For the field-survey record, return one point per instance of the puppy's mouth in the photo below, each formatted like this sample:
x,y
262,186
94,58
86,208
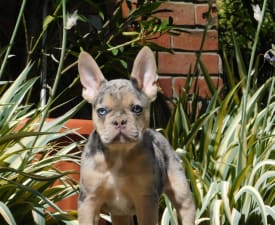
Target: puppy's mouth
x,y
121,137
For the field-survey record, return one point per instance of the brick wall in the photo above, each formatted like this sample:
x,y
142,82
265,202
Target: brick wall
x,y
174,68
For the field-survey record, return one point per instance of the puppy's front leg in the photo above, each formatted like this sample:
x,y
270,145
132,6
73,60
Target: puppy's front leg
x,y
88,212
178,191
146,209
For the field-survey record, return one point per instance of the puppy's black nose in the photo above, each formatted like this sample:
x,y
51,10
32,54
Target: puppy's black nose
x,y
119,124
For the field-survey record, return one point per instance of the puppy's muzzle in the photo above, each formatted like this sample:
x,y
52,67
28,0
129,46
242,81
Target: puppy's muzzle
x,y
119,124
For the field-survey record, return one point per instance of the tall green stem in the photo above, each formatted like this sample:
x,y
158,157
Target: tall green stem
x,y
243,142
12,37
63,49
206,28
59,69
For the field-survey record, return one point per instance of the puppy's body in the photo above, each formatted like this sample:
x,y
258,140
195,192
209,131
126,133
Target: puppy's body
x,y
126,166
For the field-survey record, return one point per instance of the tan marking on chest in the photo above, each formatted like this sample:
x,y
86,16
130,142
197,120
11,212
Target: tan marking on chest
x,y
118,181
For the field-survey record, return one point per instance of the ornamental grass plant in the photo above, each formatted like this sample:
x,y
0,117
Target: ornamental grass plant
x,y
31,147
29,154
228,148
231,185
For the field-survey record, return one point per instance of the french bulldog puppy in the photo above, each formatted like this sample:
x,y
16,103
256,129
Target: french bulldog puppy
x,y
125,166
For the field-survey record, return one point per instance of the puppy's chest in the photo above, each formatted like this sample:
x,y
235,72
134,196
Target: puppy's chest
x,y
121,173
118,179
116,197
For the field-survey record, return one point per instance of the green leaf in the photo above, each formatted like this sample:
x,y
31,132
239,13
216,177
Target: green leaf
x,y
124,64
236,216
48,19
165,218
257,198
262,181
38,216
208,79
258,166
270,211
240,180
213,190
34,192
190,174
240,62
9,93
230,75
197,126
223,112
6,214
172,217
215,212
225,197
17,136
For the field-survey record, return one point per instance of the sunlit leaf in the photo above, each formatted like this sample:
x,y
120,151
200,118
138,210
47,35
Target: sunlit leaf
x,y
256,197
6,214
48,19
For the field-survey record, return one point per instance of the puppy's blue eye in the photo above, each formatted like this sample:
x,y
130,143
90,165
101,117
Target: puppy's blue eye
x,y
101,112
137,109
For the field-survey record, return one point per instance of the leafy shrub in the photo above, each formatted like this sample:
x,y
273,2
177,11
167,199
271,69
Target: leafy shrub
x,y
228,149
231,185
237,18
28,159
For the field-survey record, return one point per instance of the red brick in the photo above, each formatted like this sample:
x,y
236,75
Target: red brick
x,y
192,40
182,13
165,84
212,62
201,14
163,40
180,62
202,87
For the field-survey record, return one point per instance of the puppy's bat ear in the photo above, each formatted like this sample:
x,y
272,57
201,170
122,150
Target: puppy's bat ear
x,y
144,74
91,76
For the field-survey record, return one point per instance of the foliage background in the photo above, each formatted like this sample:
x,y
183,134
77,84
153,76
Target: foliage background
x,y
227,149
237,24
237,18
100,29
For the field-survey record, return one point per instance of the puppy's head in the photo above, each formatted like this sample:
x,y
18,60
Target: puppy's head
x,y
120,107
